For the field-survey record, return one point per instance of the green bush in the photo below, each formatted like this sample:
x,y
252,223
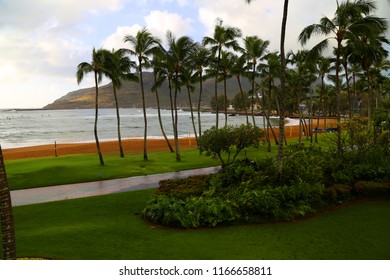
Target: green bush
x,y
229,140
191,212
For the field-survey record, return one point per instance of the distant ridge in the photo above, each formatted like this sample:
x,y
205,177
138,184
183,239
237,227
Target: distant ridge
x,y
129,95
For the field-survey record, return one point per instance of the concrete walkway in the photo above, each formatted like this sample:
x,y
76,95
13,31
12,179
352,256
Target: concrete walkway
x,y
71,191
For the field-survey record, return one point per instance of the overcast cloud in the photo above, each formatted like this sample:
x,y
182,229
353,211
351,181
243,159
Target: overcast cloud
x,y
43,41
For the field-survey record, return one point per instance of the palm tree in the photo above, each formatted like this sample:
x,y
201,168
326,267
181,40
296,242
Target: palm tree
x,y
323,68
178,55
270,71
97,66
6,215
143,46
119,67
283,86
254,50
200,59
351,19
238,70
369,51
188,80
225,66
160,76
224,37
303,68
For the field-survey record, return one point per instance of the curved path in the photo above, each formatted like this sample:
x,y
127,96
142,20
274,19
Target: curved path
x,y
71,191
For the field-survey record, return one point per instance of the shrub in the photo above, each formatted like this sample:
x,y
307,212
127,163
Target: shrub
x,y
230,140
191,212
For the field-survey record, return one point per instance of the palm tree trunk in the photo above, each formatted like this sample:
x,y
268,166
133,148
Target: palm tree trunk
x,y
349,92
6,215
338,105
199,106
192,114
96,121
253,95
216,88
225,100
122,154
144,112
243,99
370,96
160,120
176,133
283,89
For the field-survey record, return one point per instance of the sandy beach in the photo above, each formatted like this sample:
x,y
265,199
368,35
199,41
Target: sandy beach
x,y
130,146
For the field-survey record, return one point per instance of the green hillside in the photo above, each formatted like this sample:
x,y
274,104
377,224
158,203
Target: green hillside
x,y
130,95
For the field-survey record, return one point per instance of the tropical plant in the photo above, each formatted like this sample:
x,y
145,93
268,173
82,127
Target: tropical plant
x,y
97,66
351,20
200,58
230,140
6,215
225,66
119,65
143,47
282,84
160,76
178,55
223,37
254,51
238,70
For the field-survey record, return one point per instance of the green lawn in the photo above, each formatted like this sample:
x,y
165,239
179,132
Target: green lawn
x,y
110,227
40,172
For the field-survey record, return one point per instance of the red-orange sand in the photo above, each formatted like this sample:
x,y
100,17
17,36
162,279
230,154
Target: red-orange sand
x,y
129,145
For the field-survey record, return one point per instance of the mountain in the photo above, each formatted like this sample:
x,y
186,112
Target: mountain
x,y
129,96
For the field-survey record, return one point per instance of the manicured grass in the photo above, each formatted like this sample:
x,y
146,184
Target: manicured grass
x,y
40,172
110,227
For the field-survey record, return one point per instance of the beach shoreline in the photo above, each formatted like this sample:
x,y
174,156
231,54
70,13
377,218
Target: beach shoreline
x,y
130,145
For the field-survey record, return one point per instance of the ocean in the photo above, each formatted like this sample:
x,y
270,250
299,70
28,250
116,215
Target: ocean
x,y
21,128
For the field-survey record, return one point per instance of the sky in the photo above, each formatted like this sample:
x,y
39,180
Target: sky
x,y
43,41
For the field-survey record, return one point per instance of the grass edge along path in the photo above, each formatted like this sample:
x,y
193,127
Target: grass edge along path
x,y
50,171
111,227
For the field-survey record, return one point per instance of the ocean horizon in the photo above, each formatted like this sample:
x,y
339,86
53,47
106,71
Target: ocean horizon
x,y
31,127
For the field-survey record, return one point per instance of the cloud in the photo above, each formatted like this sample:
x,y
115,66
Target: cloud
x,y
159,22
263,18
115,40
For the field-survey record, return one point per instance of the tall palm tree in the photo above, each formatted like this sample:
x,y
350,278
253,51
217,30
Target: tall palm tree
x,y
351,19
188,80
143,46
97,66
119,67
6,215
254,50
160,76
303,68
238,70
282,84
226,64
178,55
223,37
201,59
323,68
369,51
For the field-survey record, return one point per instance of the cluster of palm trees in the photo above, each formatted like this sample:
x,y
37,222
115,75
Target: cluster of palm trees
x,y
279,83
